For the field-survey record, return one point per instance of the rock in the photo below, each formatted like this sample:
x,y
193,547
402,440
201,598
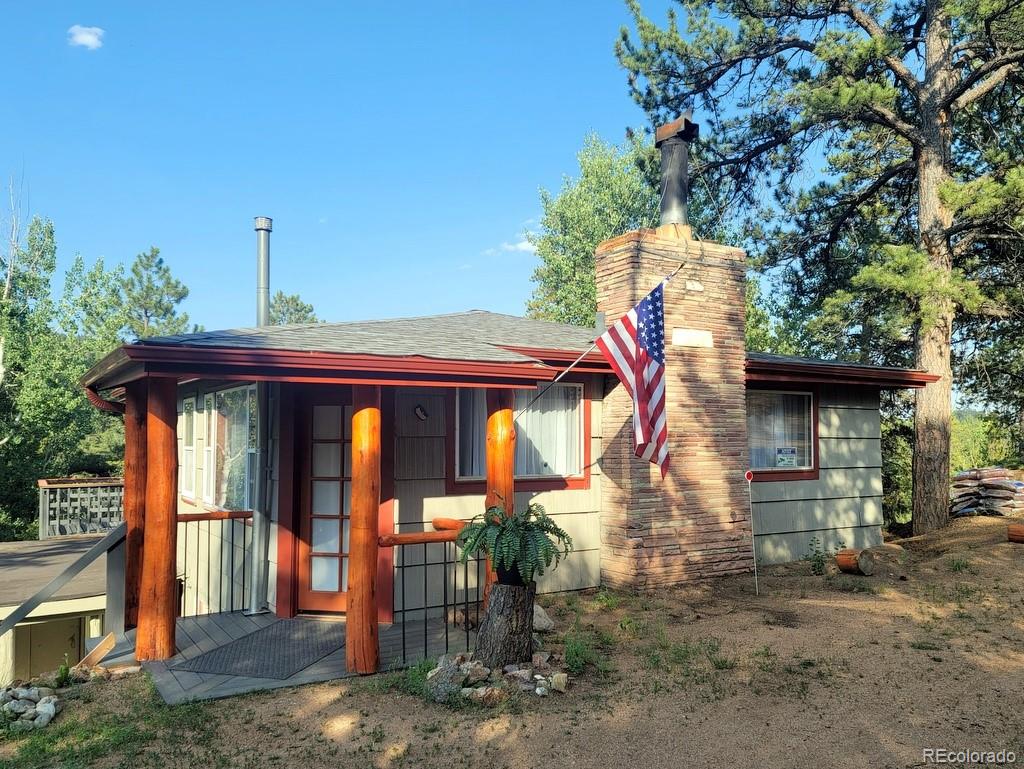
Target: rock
x,y
21,726
541,691
43,719
542,623
27,693
560,682
488,696
526,686
522,674
474,672
45,691
5,697
540,659
445,681
122,672
511,668
17,707
29,715
47,706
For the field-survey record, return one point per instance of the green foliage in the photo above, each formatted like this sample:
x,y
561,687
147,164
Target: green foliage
x,y
63,674
152,295
818,555
979,440
528,541
286,309
897,466
612,195
47,426
582,652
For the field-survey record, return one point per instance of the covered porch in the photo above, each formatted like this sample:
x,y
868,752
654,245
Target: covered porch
x,y
169,553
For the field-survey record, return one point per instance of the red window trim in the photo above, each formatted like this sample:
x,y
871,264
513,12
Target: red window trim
x,y
454,486
812,474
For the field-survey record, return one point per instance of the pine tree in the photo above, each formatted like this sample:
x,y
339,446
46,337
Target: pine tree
x,y
899,97
289,308
152,295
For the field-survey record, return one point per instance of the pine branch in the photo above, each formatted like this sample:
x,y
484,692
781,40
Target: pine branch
x,y
869,24
967,92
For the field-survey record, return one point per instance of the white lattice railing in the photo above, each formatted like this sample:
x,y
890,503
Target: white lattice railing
x,y
79,505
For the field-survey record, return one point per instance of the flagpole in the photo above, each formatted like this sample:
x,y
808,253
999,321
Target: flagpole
x,y
554,381
583,355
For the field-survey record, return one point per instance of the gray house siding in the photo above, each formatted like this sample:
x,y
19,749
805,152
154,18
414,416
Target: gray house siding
x,y
844,505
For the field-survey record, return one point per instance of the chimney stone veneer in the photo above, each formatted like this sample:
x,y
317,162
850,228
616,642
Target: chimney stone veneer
x,y
694,523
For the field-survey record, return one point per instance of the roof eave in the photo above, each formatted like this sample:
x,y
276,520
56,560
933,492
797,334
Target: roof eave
x,y
134,361
819,373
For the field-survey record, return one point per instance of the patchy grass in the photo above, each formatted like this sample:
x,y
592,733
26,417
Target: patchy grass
x,y
127,733
411,680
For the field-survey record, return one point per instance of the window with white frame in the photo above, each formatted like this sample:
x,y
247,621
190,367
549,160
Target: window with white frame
x,y
187,480
780,430
549,434
234,441
209,423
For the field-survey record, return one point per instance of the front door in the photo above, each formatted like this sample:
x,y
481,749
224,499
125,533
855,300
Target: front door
x,y
324,441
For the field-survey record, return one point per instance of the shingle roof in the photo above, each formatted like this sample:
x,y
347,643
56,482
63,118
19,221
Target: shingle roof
x,y
476,335
766,357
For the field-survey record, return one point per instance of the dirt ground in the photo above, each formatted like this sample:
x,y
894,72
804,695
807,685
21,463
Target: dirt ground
x,y
834,671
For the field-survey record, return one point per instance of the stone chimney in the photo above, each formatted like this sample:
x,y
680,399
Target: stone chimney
x,y
694,523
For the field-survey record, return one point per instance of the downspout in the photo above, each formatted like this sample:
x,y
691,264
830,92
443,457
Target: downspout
x,y
259,564
98,401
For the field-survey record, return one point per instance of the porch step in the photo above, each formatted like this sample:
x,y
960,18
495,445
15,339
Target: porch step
x,y
122,653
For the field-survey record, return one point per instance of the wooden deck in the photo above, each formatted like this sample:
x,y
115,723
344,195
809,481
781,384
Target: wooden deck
x,y
197,635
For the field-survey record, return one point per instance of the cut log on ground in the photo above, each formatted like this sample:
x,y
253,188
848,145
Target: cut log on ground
x,y
506,630
851,561
1015,532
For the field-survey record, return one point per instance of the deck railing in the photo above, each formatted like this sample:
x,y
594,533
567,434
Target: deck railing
x,y
79,505
214,562
437,598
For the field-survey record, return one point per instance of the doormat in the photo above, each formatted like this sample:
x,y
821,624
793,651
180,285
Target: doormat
x,y
277,651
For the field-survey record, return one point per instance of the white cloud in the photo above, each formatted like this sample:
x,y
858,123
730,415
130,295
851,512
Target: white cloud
x,y
86,37
523,245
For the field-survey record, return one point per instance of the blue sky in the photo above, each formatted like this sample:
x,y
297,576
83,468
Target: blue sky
x,y
398,147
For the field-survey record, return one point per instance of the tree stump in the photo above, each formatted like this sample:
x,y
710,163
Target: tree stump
x,y
853,561
1015,532
506,630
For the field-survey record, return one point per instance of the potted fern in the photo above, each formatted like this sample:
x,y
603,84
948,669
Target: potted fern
x,y
521,546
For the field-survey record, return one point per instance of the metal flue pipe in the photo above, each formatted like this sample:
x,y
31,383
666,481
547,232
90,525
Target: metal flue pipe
x,y
673,139
264,225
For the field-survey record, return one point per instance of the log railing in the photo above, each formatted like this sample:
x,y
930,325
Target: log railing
x,y
437,598
79,505
214,560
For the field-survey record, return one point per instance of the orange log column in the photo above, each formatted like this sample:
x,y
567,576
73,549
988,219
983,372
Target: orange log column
x,y
134,494
362,654
154,639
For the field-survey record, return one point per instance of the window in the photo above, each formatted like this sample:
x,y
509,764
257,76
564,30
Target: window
x,y
210,419
780,430
549,435
234,441
187,482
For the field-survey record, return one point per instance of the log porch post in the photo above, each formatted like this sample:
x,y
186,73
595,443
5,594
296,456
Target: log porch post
x,y
134,494
154,639
362,654
500,449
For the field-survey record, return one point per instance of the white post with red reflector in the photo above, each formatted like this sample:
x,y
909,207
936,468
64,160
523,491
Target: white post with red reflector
x,y
749,475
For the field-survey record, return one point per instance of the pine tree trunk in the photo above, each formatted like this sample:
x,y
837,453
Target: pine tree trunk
x,y
933,412
506,631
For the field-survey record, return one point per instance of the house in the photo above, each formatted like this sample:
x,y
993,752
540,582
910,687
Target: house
x,y
307,470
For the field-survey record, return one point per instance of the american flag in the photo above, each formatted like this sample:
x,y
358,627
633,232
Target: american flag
x,y
635,348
